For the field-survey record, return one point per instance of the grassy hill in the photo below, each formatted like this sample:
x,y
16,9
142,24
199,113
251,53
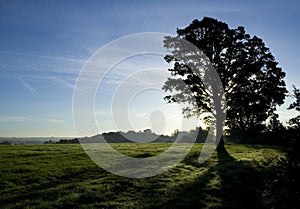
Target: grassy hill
x,y
62,176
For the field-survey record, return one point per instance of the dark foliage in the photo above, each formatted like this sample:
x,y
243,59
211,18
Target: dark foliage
x,y
252,80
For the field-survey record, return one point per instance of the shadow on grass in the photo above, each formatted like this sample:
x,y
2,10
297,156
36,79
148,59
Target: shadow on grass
x,y
227,184
220,182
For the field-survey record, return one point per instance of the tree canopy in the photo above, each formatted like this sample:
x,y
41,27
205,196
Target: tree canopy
x,y
295,122
252,80
296,104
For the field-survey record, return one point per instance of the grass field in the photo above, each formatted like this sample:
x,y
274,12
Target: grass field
x,y
63,176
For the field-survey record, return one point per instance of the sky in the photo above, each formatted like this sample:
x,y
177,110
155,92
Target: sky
x,y
45,44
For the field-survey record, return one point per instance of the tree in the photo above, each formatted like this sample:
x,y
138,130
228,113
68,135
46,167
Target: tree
x,y
295,122
252,81
289,175
274,124
296,104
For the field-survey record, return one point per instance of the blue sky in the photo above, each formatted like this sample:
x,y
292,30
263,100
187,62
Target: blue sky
x,y
44,45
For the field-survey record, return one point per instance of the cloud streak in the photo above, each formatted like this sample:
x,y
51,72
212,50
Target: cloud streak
x,y
26,85
10,118
63,82
53,120
24,119
68,59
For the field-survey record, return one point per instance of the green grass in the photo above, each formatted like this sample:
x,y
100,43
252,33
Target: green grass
x,y
63,176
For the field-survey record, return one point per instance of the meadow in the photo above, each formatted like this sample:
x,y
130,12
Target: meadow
x,y
63,176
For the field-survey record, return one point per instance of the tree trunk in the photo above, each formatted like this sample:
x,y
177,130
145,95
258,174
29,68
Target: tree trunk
x,y
221,146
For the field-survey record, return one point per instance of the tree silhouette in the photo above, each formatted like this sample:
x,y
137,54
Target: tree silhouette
x,y
252,81
295,122
296,95
274,124
289,176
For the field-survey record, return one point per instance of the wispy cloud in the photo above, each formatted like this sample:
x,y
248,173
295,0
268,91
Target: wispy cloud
x,y
63,82
26,85
21,119
14,119
53,120
58,66
69,59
